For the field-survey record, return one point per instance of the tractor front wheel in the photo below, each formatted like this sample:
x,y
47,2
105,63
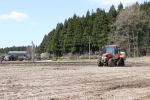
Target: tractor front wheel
x,y
100,64
111,62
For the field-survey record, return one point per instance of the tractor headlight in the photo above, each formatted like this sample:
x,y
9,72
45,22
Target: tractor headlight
x,y
104,57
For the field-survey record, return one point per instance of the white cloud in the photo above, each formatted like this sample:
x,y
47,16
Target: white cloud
x,y
33,23
15,16
110,2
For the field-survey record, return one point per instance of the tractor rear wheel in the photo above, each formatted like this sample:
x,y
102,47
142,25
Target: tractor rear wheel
x,y
111,62
100,64
120,62
123,64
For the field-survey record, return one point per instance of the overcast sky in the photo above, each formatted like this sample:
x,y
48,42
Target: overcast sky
x,y
23,21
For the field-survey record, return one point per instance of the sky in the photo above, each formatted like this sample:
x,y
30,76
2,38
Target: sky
x,y
24,21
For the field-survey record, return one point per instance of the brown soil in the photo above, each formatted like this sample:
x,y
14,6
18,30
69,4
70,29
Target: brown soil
x,y
74,82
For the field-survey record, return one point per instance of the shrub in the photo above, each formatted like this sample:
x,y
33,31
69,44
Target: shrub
x,y
20,59
44,55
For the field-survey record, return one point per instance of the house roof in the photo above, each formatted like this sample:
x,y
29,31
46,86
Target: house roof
x,y
17,52
112,46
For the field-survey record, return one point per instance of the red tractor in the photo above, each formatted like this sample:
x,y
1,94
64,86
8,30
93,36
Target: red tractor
x,y
111,56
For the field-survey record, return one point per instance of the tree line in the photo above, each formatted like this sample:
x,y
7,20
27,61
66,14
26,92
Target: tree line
x,y
73,35
29,49
127,26
14,48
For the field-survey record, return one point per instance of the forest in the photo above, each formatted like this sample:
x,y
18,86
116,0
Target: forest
x,y
127,26
14,48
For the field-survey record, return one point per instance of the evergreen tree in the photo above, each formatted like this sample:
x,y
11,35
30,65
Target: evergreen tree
x,y
43,46
120,7
56,41
112,14
100,30
50,42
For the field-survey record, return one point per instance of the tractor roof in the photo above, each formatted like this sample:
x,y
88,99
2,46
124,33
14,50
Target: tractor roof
x,y
112,46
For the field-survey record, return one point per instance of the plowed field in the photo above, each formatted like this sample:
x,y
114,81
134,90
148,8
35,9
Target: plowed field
x,y
76,82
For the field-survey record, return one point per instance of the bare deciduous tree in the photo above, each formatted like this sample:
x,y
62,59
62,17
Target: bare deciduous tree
x,y
127,29
30,50
45,55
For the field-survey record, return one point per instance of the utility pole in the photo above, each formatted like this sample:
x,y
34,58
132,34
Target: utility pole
x,y
89,47
32,50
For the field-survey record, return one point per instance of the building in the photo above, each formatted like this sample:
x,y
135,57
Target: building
x,y
18,53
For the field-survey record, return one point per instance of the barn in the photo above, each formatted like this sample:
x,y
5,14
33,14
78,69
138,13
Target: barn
x,y
18,53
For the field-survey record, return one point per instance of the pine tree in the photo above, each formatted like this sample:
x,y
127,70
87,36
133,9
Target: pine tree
x,y
100,30
112,14
120,7
43,46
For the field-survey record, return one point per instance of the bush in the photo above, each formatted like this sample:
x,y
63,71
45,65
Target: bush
x,y
87,57
94,56
13,58
70,56
44,55
84,57
20,59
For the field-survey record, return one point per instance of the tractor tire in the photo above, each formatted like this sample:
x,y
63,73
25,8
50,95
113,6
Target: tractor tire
x,y
120,62
111,62
123,64
100,64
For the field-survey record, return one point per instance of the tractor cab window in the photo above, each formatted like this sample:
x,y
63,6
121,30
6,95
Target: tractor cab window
x,y
117,50
110,50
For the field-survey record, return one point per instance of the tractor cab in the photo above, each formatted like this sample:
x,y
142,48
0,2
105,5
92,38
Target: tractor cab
x,y
110,51
113,49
